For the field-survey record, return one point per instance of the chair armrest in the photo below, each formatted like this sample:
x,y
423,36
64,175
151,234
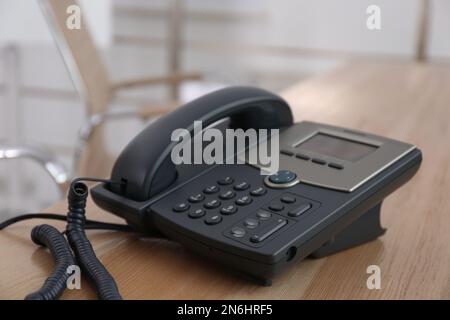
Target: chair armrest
x,y
45,159
160,80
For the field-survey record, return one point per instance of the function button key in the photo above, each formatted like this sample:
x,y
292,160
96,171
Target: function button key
x,y
336,166
288,199
258,192
196,198
241,186
251,223
181,207
225,181
276,207
238,232
299,210
243,201
211,189
214,203
268,231
263,215
197,213
287,152
318,161
227,195
228,210
302,156
213,219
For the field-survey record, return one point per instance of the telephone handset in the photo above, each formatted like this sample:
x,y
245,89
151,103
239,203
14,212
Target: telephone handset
x,y
145,165
326,197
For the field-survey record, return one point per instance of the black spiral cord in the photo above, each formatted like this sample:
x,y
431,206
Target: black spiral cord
x,y
77,241
48,236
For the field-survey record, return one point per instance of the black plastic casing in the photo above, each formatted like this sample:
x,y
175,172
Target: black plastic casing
x,y
333,213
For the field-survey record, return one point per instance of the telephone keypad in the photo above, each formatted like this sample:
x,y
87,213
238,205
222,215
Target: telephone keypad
x,y
254,226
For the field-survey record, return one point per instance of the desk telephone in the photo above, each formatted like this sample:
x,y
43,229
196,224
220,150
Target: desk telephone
x,y
326,196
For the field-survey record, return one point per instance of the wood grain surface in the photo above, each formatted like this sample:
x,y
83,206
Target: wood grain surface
x,y
409,102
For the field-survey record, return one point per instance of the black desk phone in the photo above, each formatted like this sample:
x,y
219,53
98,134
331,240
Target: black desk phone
x,y
326,197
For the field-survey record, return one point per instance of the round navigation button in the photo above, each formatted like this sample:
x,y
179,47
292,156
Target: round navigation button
x,y
282,176
282,179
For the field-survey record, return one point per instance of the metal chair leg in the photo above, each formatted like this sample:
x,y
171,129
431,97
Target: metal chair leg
x,y
52,166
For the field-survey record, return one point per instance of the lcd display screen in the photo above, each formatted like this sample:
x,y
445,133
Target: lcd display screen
x,y
336,147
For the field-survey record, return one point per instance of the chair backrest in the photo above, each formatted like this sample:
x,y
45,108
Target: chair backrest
x,y
81,57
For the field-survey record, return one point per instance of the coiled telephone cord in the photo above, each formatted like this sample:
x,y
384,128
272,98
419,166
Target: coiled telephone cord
x,y
77,242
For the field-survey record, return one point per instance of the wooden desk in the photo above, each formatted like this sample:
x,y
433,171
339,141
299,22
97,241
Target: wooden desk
x,y
402,101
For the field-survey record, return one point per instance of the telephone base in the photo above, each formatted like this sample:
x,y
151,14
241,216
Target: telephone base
x,y
366,228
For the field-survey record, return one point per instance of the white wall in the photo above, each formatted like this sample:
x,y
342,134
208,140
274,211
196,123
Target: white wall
x,y
21,21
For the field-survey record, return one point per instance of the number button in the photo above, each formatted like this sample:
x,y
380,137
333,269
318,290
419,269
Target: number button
x,y
213,220
214,203
225,181
211,189
243,201
196,198
258,192
228,210
241,186
197,213
227,195
181,207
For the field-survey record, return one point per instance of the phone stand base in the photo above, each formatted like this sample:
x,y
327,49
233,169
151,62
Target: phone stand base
x,y
366,228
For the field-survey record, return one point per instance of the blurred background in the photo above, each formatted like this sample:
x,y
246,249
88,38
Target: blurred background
x,y
70,101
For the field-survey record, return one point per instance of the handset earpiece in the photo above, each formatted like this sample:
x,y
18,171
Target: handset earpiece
x,y
145,166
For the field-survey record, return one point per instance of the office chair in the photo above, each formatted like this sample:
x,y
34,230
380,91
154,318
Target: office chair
x,y
43,158
91,80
